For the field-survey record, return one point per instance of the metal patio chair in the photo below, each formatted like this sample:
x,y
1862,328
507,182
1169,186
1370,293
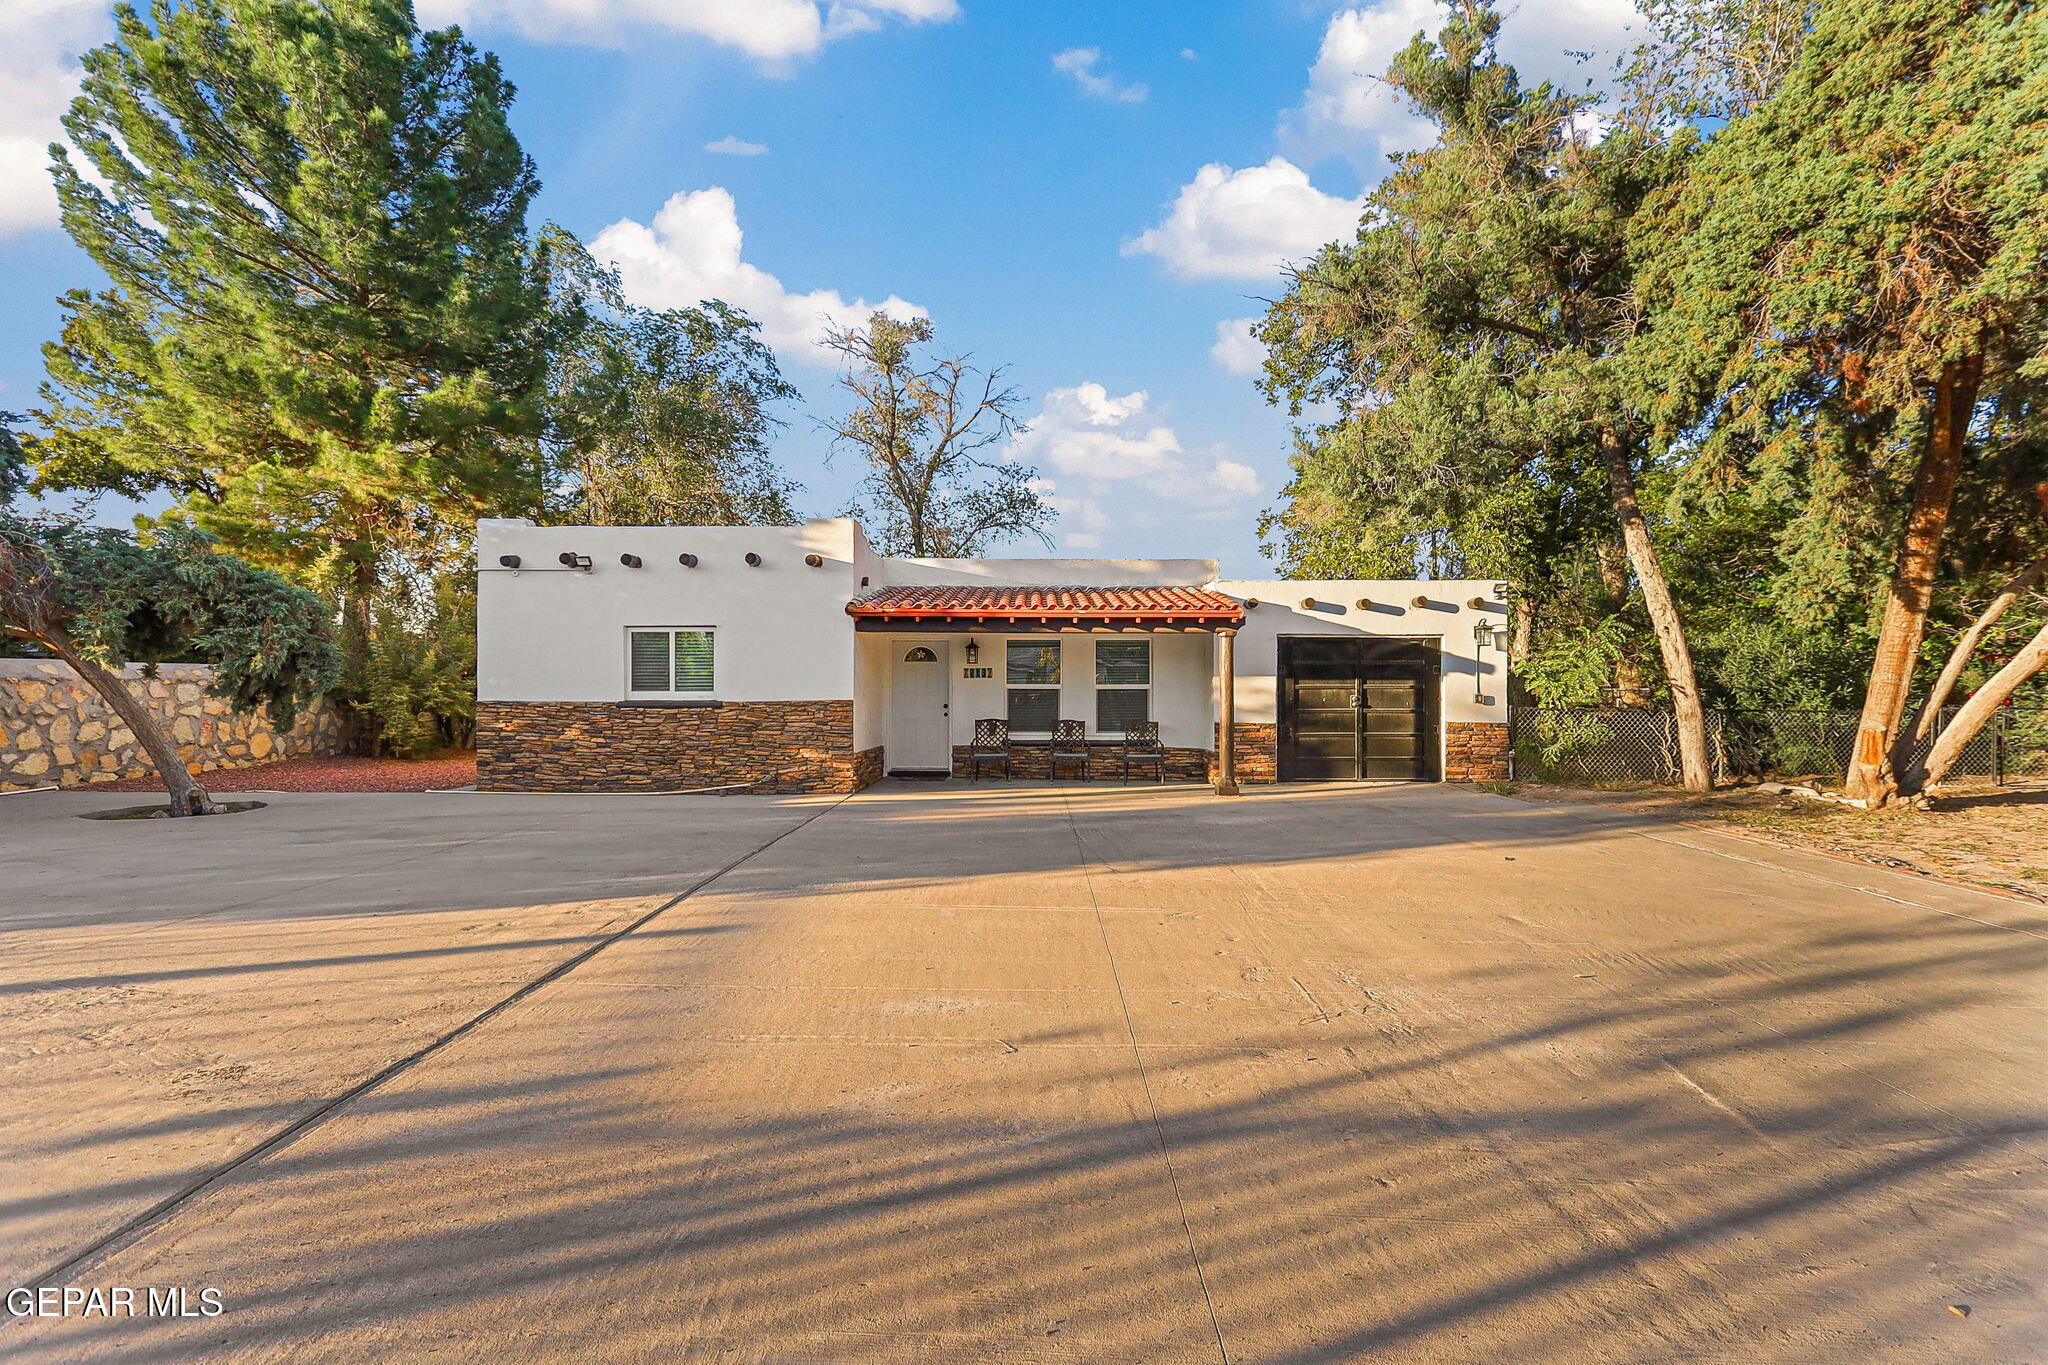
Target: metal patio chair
x,y
1069,741
1142,746
992,744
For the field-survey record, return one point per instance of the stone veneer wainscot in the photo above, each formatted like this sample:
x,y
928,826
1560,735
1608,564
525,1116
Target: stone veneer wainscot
x,y
784,746
1475,751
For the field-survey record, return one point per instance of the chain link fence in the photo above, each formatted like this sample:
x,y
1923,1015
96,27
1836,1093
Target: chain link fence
x,y
1640,744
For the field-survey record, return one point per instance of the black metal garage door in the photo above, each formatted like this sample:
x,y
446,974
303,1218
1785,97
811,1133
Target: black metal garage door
x,y
1353,708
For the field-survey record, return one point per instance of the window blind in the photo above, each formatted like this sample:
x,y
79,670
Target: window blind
x,y
649,661
1033,709
693,661
1114,706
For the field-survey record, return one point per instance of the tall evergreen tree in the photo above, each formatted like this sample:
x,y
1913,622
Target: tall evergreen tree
x,y
1852,292
1492,276
323,331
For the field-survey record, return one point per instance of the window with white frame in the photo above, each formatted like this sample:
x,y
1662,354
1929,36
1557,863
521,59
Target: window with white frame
x,y
1123,684
669,662
1031,670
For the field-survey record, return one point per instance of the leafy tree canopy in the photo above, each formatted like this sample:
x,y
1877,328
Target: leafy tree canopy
x,y
659,415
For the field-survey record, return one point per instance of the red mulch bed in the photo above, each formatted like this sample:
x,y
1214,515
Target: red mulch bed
x,y
326,775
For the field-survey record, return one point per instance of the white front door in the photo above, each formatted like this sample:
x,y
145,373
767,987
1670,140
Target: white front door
x,y
918,737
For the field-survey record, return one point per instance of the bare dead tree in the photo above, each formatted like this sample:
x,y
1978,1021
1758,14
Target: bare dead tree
x,y
929,429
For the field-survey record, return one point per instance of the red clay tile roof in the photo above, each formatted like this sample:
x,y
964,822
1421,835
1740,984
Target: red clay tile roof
x,y
1166,605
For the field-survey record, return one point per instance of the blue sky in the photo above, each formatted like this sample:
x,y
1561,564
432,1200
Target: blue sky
x,y
1091,195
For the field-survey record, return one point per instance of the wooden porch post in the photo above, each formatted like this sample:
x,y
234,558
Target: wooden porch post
x,y
1226,757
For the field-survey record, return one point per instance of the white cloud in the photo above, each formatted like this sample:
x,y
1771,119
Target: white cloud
x,y
770,31
733,146
691,252
1081,64
1188,54
1109,461
1349,110
1246,224
1235,349
39,45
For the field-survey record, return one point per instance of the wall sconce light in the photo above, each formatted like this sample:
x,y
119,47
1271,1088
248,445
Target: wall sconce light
x,y
570,560
630,561
973,651
815,561
687,561
1483,634
753,559
509,561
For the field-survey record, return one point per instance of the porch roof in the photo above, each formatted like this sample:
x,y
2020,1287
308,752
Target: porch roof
x,y
1074,607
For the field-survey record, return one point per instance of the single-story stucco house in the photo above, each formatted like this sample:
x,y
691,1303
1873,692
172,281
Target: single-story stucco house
x,y
659,658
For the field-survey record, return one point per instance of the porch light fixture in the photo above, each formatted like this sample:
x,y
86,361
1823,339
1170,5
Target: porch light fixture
x,y
630,561
509,561
815,561
687,561
1483,634
973,652
753,559
570,560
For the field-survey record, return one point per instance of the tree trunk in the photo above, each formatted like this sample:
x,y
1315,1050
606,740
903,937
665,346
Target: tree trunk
x,y
187,797
1975,713
1959,658
1629,688
1696,771
1871,775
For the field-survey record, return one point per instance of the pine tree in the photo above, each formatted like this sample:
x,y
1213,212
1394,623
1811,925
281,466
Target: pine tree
x,y
1851,292
1471,333
323,335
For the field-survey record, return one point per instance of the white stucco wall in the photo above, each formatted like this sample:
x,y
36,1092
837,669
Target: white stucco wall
x,y
1448,619
545,633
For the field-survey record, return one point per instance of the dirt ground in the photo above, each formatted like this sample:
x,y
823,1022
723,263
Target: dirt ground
x,y
1993,837
327,775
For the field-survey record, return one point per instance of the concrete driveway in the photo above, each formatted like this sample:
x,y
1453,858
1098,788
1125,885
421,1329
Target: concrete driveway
x,y
957,1074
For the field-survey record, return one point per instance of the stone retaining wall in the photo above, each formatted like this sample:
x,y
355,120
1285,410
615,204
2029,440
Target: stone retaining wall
x,y
56,732
786,746
1475,751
